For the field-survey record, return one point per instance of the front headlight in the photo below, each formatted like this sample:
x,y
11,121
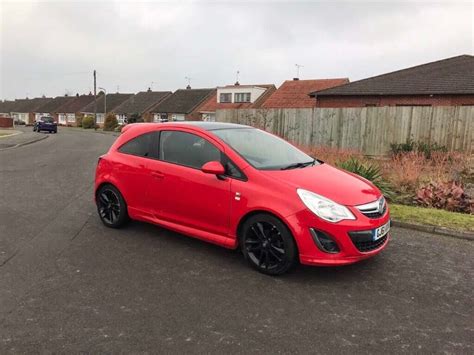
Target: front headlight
x,y
323,207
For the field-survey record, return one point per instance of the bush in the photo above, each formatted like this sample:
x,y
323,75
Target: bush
x,y
88,122
449,196
397,148
79,119
369,171
135,118
421,147
110,122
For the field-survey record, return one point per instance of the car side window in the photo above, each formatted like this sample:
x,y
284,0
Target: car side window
x,y
231,169
187,149
144,145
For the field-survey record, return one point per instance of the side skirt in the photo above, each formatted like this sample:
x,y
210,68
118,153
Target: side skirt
x,y
221,240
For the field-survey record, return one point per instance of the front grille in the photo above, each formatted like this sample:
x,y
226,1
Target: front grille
x,y
377,214
364,245
374,209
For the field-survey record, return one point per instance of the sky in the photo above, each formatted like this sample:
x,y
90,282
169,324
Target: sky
x,y
52,47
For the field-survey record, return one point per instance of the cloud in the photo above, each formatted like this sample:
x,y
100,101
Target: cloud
x,y
50,47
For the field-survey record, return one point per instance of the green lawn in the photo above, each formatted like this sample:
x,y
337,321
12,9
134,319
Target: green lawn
x,y
430,216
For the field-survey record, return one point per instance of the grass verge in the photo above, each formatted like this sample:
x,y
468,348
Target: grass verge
x,y
433,217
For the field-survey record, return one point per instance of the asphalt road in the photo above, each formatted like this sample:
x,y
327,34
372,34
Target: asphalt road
x,y
68,284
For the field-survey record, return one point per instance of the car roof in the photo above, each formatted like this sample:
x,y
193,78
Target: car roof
x,y
196,125
207,126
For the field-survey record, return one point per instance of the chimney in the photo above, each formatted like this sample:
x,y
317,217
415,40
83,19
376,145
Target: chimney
x,y
236,83
188,87
149,90
77,94
295,79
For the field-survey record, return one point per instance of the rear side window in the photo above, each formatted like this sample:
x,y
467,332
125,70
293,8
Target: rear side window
x,y
187,149
143,146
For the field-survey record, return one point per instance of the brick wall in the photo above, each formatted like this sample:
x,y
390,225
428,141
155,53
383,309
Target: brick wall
x,y
6,122
412,100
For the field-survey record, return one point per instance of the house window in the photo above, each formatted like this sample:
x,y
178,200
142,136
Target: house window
x,y
224,98
242,97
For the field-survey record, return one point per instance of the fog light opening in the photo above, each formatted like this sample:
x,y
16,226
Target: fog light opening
x,y
324,242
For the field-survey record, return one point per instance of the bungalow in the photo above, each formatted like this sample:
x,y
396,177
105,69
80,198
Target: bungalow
x,y
105,104
447,82
182,105
68,112
140,104
295,93
234,97
6,108
23,110
51,107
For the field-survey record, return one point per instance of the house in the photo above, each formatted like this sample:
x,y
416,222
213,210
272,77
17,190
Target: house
x,y
140,104
182,105
295,93
6,108
51,107
447,82
70,111
23,109
105,104
234,97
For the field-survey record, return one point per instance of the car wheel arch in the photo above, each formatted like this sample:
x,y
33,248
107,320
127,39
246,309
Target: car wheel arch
x,y
267,212
105,183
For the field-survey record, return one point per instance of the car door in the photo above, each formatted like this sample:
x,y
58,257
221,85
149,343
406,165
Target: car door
x,y
180,192
131,168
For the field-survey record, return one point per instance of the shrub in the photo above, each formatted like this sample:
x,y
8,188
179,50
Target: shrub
x,y
408,146
135,118
449,196
110,122
421,147
88,122
79,119
369,171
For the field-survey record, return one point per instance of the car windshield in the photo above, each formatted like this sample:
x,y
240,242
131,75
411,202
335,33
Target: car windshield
x,y
264,150
47,119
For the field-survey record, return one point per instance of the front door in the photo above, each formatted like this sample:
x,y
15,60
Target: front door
x,y
180,192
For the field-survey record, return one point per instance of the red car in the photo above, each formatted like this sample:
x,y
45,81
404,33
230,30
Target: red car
x,y
238,186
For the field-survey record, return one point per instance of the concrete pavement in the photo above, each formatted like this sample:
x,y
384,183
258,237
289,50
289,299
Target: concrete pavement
x,y
69,284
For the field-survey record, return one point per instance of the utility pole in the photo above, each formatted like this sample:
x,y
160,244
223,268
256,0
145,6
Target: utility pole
x,y
105,102
95,101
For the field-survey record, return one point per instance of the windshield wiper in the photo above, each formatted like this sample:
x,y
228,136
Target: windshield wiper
x,y
299,165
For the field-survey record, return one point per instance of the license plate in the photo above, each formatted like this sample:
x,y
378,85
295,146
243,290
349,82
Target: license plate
x,y
381,231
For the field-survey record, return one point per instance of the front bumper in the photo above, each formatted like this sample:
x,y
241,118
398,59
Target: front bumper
x,y
302,222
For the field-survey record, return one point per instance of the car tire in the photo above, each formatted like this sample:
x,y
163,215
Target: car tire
x,y
267,244
34,129
111,206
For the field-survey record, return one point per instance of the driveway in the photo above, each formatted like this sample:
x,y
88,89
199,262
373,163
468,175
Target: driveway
x,y
69,284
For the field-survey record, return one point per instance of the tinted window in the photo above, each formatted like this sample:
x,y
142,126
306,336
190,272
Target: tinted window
x,y
144,145
187,149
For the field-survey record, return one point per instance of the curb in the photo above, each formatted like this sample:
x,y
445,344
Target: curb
x,y
435,230
26,143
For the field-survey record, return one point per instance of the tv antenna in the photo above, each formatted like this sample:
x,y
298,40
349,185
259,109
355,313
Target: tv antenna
x,y
298,66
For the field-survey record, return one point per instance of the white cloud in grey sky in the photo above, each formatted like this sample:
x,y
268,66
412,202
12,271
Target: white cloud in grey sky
x,y
50,47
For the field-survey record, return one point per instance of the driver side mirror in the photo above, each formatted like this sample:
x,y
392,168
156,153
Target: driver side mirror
x,y
213,167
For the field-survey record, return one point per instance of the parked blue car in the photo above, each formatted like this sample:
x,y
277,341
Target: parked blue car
x,y
46,123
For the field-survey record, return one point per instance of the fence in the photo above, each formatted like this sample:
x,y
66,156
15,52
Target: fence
x,y
369,129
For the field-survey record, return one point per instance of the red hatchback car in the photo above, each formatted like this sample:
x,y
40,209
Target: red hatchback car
x,y
235,185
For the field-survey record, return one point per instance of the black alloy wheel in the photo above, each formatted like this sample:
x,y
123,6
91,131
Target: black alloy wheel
x,y
111,206
268,245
